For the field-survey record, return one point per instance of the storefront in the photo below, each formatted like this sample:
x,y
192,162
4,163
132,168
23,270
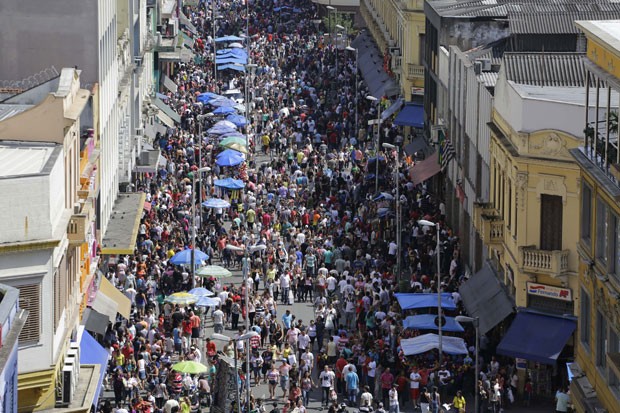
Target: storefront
x,y
540,343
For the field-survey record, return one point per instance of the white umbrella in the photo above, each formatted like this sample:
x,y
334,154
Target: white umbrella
x,y
236,44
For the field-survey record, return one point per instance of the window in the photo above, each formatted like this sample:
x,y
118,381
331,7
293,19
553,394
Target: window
x,y
551,209
584,319
602,227
601,340
30,299
614,347
586,213
614,263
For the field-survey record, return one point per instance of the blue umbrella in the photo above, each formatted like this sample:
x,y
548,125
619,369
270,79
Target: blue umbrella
x,y
224,110
201,292
208,302
232,66
221,130
232,135
235,52
185,257
207,96
230,158
228,39
238,120
219,102
216,203
229,183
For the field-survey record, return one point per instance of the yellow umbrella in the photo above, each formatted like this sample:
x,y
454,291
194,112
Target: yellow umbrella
x,y
236,147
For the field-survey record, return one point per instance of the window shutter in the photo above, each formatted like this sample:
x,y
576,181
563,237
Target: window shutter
x,y
30,299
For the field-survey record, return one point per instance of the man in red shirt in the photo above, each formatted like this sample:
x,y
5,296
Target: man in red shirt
x,y
266,220
340,365
387,378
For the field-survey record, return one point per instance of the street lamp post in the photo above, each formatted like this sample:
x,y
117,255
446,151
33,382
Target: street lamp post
x,y
248,82
330,10
339,28
378,123
476,322
352,49
193,260
215,19
247,336
398,217
439,312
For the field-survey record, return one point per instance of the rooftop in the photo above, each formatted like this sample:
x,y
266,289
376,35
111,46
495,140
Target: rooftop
x,y
573,95
545,69
606,31
527,12
24,158
8,111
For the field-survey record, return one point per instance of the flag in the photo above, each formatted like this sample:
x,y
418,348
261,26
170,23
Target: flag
x,y
446,150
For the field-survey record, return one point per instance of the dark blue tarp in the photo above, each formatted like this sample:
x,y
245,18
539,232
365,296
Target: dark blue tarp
x,y
408,301
91,352
537,337
427,322
411,115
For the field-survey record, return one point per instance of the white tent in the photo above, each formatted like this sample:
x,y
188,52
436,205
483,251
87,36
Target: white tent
x,y
427,342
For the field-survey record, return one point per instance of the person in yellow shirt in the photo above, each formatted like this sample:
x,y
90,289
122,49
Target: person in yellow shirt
x,y
459,402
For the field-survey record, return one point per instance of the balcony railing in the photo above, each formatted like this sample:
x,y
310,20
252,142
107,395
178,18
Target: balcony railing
x,y
492,231
553,263
415,71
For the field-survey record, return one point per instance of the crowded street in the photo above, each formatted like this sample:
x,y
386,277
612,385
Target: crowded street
x,y
281,230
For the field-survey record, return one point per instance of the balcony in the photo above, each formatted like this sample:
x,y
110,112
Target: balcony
x,y
492,231
535,261
79,224
415,71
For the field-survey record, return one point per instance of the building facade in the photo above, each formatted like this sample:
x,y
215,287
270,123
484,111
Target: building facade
x,y
44,242
398,28
596,382
12,320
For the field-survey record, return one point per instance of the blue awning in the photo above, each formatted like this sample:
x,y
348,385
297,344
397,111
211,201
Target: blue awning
x,y
408,301
427,322
91,352
537,337
411,115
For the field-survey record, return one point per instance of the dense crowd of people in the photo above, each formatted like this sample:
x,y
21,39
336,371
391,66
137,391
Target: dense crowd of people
x,y
309,226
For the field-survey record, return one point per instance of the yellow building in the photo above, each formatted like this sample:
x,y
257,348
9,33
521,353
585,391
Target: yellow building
x,y
528,225
398,26
596,383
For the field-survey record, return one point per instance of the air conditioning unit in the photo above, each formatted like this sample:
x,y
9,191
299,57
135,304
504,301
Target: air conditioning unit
x,y
435,133
485,64
68,384
395,51
138,60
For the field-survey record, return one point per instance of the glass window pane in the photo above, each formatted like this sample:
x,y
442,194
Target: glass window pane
x,y
601,230
584,319
586,212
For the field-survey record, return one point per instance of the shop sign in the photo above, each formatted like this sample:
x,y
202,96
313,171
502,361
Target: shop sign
x,y
521,364
549,291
